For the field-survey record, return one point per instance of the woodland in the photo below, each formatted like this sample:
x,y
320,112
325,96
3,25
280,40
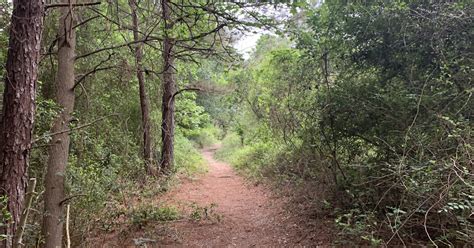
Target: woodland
x,y
346,123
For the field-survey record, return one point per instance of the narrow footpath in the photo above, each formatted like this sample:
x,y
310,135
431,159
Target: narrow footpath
x,y
244,214
240,214
222,209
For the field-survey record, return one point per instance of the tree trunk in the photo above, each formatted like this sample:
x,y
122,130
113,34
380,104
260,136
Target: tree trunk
x,y
144,104
53,218
19,106
169,88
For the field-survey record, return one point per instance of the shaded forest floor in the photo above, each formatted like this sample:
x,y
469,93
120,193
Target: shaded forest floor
x,y
224,210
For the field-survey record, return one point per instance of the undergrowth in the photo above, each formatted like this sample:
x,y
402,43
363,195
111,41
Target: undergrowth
x,y
148,213
249,158
205,136
188,159
206,212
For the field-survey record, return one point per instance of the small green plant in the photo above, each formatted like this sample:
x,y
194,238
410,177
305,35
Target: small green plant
x,y
358,223
5,214
204,212
145,214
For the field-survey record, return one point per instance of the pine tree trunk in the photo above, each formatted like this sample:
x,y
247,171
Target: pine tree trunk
x,y
169,88
19,106
144,103
53,219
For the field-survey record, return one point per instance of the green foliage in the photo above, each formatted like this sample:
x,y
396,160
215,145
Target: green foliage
x,y
189,115
372,100
230,144
376,99
399,131
149,213
205,136
252,158
204,212
5,215
188,159
5,10
356,223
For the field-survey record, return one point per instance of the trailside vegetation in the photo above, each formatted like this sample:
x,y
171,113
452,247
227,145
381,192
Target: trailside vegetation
x,y
370,107
361,110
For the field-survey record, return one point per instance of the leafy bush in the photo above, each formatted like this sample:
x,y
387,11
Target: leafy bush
x,y
189,115
375,97
144,214
187,158
253,158
230,144
205,136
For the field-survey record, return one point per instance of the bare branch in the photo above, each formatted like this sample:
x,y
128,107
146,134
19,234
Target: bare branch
x,y
73,129
96,69
115,47
181,91
58,5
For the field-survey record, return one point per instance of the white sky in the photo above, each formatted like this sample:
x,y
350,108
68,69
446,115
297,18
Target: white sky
x,y
247,41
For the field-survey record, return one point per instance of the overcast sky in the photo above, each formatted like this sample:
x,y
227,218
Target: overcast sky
x,y
247,42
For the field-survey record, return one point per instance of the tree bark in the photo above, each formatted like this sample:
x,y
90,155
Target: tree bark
x,y
169,88
19,106
53,218
144,103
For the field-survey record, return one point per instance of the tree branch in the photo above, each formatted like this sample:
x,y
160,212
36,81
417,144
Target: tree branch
x,y
73,129
114,47
58,5
181,91
185,89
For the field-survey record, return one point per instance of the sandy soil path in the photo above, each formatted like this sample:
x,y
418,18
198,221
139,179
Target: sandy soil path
x,y
232,212
249,216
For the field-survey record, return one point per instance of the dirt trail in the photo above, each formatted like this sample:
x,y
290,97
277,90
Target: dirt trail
x,y
239,214
249,216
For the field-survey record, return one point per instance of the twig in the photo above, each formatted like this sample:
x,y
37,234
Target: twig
x,y
185,89
406,220
96,69
441,196
115,47
70,198
57,5
24,215
73,129
181,91
68,236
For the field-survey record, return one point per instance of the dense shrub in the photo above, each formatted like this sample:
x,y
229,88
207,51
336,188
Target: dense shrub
x,y
188,158
377,98
252,158
205,136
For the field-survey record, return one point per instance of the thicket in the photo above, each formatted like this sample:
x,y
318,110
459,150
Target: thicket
x,y
370,104
105,164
